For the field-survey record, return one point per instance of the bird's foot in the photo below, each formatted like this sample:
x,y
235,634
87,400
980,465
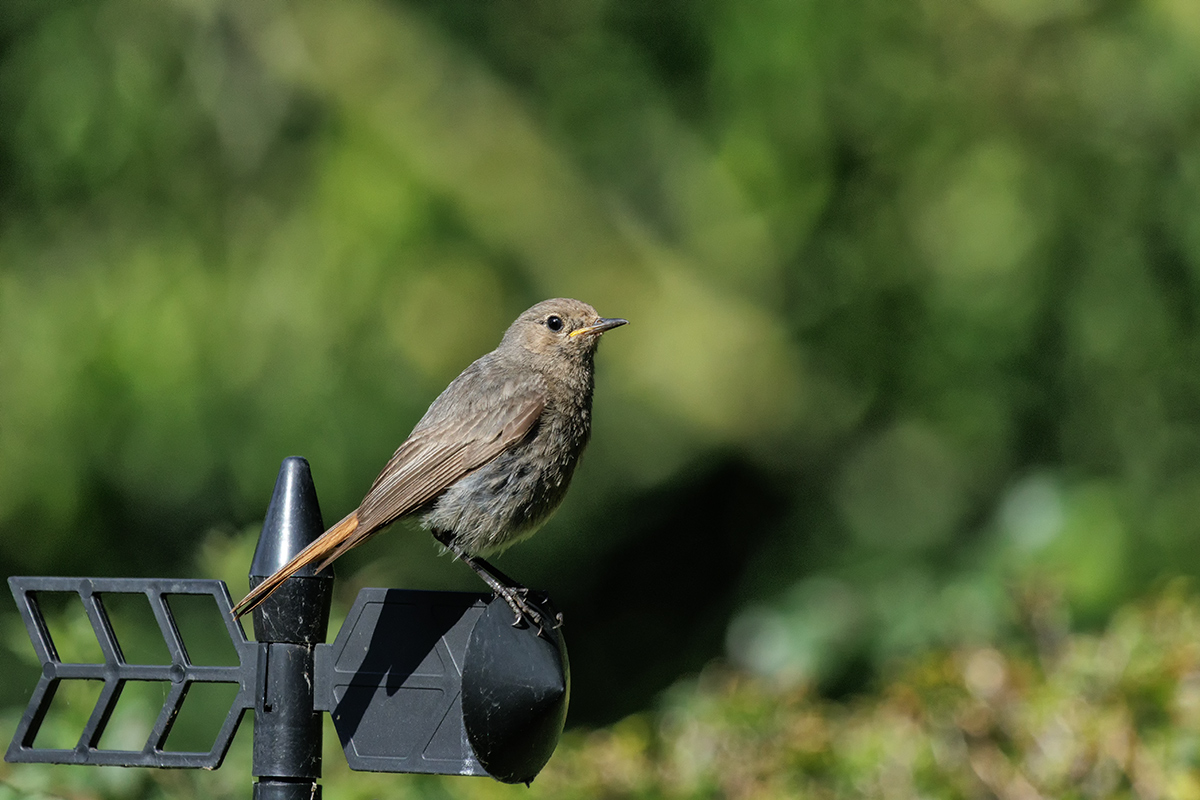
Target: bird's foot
x,y
529,611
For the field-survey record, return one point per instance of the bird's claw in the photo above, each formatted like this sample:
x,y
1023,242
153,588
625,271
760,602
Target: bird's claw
x,y
527,612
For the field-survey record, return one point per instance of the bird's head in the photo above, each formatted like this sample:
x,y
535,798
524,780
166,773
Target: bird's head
x,y
560,326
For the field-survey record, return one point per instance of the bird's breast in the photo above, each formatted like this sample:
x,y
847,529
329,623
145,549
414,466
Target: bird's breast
x,y
508,498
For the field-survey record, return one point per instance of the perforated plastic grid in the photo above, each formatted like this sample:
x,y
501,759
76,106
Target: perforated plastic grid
x,y
114,671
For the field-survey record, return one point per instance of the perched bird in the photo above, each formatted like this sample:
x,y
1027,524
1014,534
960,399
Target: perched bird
x,y
491,459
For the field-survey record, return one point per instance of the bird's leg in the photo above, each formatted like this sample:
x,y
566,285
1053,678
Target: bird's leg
x,y
515,595
495,572
503,586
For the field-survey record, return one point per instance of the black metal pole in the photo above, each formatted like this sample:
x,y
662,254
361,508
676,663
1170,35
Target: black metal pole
x,y
287,626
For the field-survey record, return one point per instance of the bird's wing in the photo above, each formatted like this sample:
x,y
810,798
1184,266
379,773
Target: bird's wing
x,y
446,445
444,449
480,415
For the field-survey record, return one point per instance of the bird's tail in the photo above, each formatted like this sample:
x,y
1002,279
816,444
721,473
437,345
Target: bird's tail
x,y
325,548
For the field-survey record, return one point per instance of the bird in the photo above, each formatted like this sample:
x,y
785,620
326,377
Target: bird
x,y
491,459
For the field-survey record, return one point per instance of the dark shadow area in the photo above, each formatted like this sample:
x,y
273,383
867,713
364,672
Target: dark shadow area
x,y
402,638
662,602
396,680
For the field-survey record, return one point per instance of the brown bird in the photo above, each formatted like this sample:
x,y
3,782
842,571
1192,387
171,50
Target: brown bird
x,y
491,459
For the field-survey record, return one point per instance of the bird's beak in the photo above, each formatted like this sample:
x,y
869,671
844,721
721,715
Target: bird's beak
x,y
600,327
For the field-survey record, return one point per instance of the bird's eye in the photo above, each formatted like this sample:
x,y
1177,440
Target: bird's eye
x,y
554,322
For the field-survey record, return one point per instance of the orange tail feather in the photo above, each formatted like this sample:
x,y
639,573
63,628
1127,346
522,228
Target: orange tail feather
x,y
324,548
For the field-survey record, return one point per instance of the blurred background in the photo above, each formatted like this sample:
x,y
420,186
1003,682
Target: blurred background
x,y
914,291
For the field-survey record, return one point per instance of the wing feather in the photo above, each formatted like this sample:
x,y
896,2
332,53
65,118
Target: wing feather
x,y
446,449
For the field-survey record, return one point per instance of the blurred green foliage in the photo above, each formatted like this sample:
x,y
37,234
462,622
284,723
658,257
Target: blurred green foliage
x,y
913,288
1063,714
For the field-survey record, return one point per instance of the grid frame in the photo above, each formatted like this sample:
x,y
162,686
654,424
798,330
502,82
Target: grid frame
x,y
115,671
